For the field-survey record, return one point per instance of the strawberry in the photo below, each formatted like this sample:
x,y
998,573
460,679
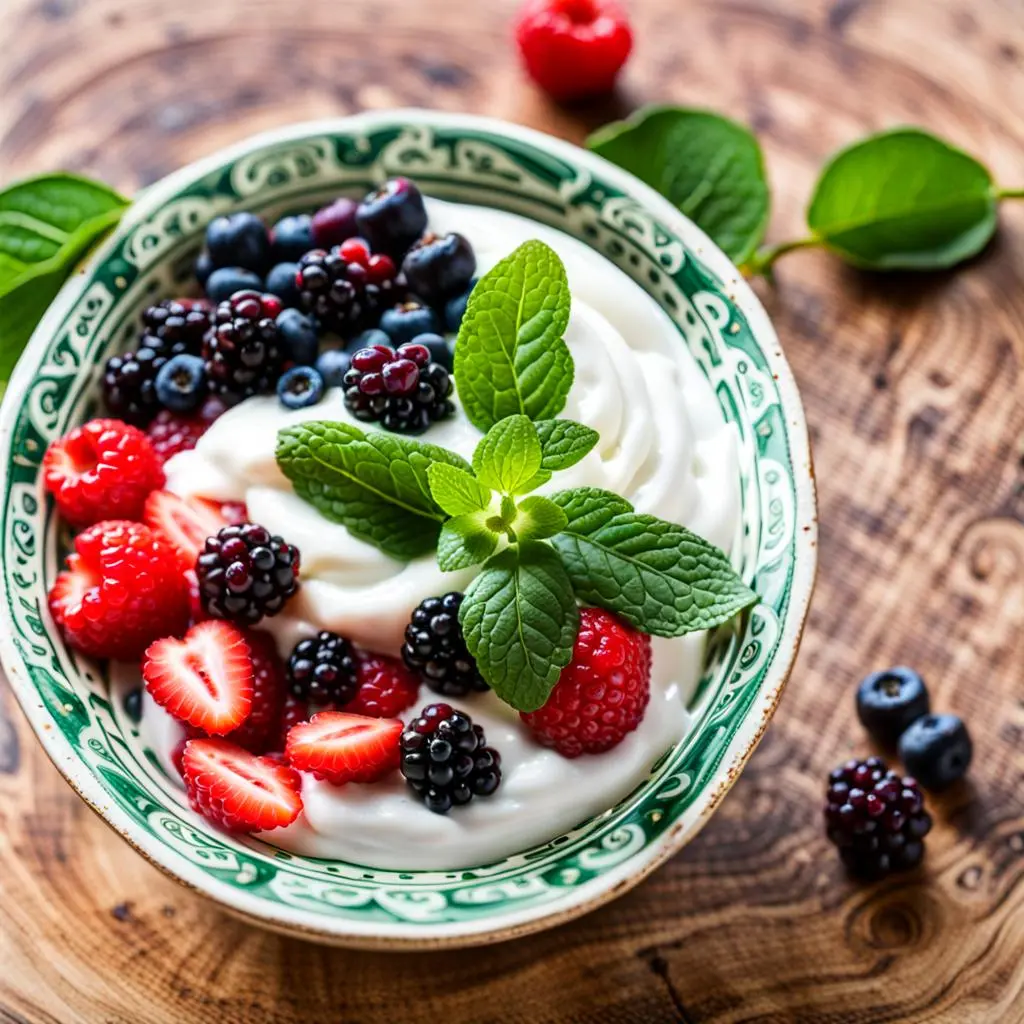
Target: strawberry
x,y
205,680
386,686
338,747
185,522
238,790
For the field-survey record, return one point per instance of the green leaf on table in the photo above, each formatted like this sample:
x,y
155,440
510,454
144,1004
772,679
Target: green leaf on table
x,y
465,540
538,518
508,456
903,199
660,577
563,443
708,166
511,357
374,484
520,620
455,490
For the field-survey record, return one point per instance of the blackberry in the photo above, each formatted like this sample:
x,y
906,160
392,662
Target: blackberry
x,y
403,391
176,327
446,760
244,353
322,670
435,648
129,386
246,573
876,818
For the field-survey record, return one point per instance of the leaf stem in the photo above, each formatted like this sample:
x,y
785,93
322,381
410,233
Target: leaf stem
x,y
1010,193
762,260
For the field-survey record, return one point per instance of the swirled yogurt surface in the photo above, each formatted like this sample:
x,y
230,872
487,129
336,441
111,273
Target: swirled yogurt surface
x,y
664,446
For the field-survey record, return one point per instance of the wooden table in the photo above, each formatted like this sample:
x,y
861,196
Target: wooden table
x,y
915,395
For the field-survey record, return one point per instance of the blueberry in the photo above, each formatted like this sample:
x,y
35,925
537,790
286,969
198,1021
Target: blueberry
x,y
889,701
365,339
334,223
300,387
455,308
439,266
281,282
203,268
225,281
333,365
392,217
439,350
299,334
239,240
292,237
181,383
403,322
936,750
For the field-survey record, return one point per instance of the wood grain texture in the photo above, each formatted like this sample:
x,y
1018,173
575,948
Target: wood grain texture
x,y
914,390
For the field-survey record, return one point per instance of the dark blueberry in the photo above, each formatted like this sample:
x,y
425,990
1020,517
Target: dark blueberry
x,y
392,217
299,336
300,387
225,281
133,704
203,268
439,266
403,322
367,339
281,282
334,224
333,365
936,750
889,701
439,351
455,309
181,383
292,237
239,240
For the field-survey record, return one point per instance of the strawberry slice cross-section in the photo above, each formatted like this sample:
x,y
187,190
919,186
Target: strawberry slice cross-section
x,y
186,522
338,747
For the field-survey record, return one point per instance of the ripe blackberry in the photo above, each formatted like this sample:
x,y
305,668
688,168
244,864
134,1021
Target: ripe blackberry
x,y
434,647
129,386
876,818
446,760
246,573
176,327
243,351
403,391
322,670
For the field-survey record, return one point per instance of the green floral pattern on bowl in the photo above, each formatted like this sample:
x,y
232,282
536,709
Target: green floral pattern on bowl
x,y
83,724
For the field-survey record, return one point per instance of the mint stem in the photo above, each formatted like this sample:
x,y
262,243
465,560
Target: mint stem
x,y
762,260
1010,193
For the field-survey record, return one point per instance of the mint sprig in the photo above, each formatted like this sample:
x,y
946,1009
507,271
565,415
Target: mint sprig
x,y
563,443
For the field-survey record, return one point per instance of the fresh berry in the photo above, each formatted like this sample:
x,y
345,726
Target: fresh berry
x,y
332,365
244,353
122,589
403,391
439,266
129,386
392,217
203,268
258,732
281,282
455,309
299,337
322,670
171,432
104,469
446,760
434,647
290,237
403,322
181,383
245,573
238,790
333,224
338,747
225,281
176,327
876,818
293,711
205,679
386,687
367,339
239,240
936,749
300,387
573,49
438,348
185,523
889,701
602,694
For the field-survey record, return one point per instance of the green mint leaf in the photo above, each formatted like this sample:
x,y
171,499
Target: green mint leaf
x,y
563,443
465,540
904,199
455,490
520,620
711,168
660,577
508,456
538,518
511,357
375,484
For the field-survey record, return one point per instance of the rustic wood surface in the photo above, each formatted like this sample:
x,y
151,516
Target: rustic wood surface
x,y
915,395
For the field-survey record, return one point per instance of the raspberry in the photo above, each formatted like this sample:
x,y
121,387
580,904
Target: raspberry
x,y
243,351
259,730
386,687
122,590
876,818
172,432
434,647
104,469
573,48
321,670
602,694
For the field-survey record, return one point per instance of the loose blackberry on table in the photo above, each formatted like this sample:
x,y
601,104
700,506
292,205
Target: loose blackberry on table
x,y
243,351
322,670
436,649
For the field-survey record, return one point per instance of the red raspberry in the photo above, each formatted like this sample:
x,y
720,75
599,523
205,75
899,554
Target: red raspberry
x,y
259,730
573,48
104,469
386,687
294,711
602,693
122,589
172,432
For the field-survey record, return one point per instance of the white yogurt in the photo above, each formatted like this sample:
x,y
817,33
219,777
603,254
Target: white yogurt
x,y
664,446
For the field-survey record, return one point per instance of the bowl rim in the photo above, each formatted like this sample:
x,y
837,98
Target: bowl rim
x,y
397,935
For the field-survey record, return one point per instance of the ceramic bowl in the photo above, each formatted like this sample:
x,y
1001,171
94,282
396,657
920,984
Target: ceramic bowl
x,y
86,729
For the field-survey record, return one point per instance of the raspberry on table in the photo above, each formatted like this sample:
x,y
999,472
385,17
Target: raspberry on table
x,y
435,648
243,350
602,694
173,432
322,670
386,686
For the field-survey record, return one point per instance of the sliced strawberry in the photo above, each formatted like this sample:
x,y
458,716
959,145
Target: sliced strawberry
x,y
205,680
185,522
238,790
338,747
